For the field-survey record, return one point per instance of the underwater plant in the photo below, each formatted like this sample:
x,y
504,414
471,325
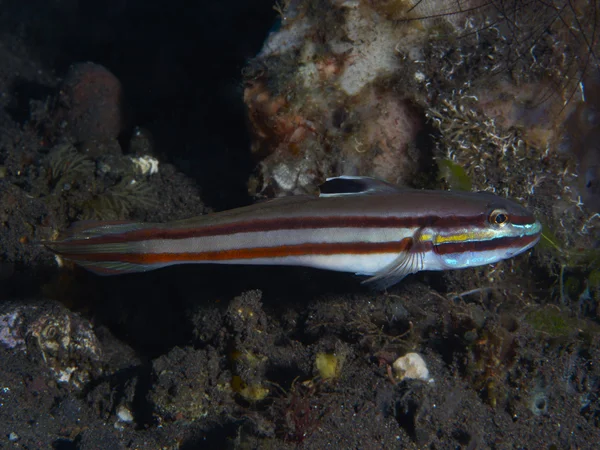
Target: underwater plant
x,y
120,200
66,165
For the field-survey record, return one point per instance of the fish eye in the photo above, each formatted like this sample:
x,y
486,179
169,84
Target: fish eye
x,y
498,218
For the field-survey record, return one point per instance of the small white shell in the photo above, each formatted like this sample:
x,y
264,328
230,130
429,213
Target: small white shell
x,y
411,366
146,165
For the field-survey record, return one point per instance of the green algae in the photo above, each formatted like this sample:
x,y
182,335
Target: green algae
x,y
455,175
556,324
550,321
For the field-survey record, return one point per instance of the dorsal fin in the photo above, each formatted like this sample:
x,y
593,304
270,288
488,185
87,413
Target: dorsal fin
x,y
347,185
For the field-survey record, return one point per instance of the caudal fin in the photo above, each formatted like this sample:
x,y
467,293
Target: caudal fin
x,y
105,248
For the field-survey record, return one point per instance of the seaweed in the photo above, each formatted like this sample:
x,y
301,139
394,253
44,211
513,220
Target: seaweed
x,y
67,166
577,274
299,412
120,200
550,321
455,175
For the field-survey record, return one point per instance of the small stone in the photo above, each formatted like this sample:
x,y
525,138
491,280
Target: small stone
x,y
13,437
411,366
124,414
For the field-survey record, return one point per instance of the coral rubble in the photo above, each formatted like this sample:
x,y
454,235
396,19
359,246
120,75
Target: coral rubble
x,y
494,96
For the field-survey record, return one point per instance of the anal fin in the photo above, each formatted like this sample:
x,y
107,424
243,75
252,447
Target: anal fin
x,y
115,267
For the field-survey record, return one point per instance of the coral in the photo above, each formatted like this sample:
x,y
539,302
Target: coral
x,y
62,341
252,392
342,87
328,365
91,103
319,102
146,165
105,187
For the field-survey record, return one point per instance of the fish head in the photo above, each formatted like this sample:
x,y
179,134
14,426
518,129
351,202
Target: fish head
x,y
502,230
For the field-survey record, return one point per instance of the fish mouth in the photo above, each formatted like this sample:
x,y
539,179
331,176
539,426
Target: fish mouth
x,y
532,243
524,248
537,232
531,240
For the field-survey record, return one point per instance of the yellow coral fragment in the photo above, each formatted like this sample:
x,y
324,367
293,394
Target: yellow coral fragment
x,y
328,365
251,392
254,392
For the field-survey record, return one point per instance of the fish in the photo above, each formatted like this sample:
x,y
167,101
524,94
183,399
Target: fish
x,y
359,225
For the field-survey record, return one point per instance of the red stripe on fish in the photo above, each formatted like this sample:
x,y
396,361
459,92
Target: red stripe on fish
x,y
357,248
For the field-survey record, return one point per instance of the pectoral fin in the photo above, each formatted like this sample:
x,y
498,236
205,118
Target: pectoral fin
x,y
408,262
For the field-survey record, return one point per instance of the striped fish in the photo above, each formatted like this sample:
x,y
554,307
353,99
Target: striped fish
x,y
357,224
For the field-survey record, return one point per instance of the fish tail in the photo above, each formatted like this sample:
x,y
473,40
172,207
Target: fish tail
x,y
105,248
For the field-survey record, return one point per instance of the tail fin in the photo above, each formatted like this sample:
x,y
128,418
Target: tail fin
x,y
105,248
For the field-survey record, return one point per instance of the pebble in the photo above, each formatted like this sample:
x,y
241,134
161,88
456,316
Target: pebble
x,y
411,366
